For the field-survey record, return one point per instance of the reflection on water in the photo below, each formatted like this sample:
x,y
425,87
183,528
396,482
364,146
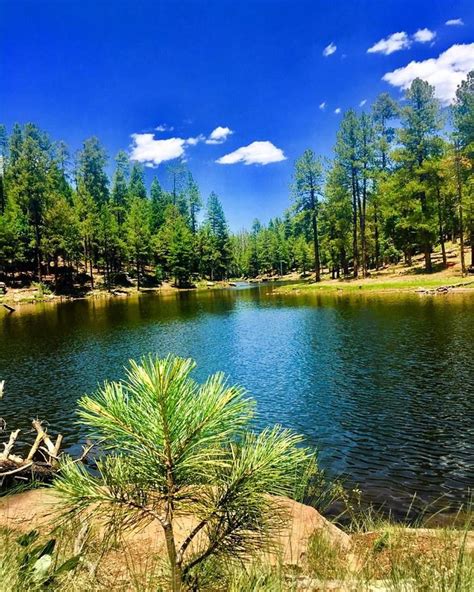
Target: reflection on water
x,y
384,386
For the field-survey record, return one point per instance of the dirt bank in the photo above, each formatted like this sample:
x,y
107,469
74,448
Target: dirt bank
x,y
40,508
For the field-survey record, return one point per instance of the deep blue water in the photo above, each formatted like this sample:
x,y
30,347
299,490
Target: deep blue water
x,y
383,386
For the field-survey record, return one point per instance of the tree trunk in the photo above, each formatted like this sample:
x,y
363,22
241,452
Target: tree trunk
x,y
407,254
176,571
461,220
2,196
472,247
90,264
38,252
376,236
344,262
317,263
440,227
427,253
355,249
55,272
138,272
425,235
461,239
362,203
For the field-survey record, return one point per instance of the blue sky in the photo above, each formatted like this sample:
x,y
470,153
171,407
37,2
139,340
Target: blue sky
x,y
262,69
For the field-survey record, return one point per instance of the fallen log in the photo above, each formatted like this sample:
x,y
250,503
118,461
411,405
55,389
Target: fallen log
x,y
7,447
443,289
14,467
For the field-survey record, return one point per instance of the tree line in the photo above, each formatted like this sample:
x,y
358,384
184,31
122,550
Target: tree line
x,y
400,183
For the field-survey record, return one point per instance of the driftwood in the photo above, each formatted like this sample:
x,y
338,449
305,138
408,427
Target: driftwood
x,y
30,467
443,289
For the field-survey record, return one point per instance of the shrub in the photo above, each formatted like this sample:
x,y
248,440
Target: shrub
x,y
174,447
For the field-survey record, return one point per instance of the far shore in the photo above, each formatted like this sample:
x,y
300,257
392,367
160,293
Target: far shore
x,y
388,279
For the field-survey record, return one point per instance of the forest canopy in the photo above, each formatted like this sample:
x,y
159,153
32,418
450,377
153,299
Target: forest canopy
x,y
400,183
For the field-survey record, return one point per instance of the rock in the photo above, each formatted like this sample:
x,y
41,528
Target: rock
x,y
40,508
304,522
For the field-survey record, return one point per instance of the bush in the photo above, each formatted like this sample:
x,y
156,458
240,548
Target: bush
x,y
43,289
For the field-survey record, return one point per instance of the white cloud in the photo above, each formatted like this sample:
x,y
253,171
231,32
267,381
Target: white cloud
x,y
196,140
455,22
337,110
164,128
445,72
363,102
329,50
390,44
151,152
219,135
424,35
254,153
322,105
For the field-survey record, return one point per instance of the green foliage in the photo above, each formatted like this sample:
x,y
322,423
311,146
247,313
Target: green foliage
x,y
307,186
28,564
120,194
138,232
174,246
394,187
136,187
92,160
177,448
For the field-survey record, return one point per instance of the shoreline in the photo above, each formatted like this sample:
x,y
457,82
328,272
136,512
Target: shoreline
x,y
392,280
426,286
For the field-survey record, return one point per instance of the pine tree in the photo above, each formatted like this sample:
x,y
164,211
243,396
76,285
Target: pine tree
x,y
160,200
384,110
195,202
90,171
215,218
366,183
420,142
348,158
307,187
87,213
138,233
463,116
175,246
120,193
93,188
136,187
30,171
336,221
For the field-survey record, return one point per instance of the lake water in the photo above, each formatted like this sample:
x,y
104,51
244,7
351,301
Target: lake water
x,y
383,386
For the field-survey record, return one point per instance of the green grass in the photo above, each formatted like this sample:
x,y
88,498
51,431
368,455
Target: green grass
x,y
393,557
408,284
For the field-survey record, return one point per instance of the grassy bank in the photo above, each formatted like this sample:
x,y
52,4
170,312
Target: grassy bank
x,y
382,556
380,284
397,278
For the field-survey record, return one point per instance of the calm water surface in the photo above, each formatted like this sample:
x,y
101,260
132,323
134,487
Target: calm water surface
x,y
383,386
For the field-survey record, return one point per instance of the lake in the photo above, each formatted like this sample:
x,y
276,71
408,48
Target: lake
x,y
382,385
